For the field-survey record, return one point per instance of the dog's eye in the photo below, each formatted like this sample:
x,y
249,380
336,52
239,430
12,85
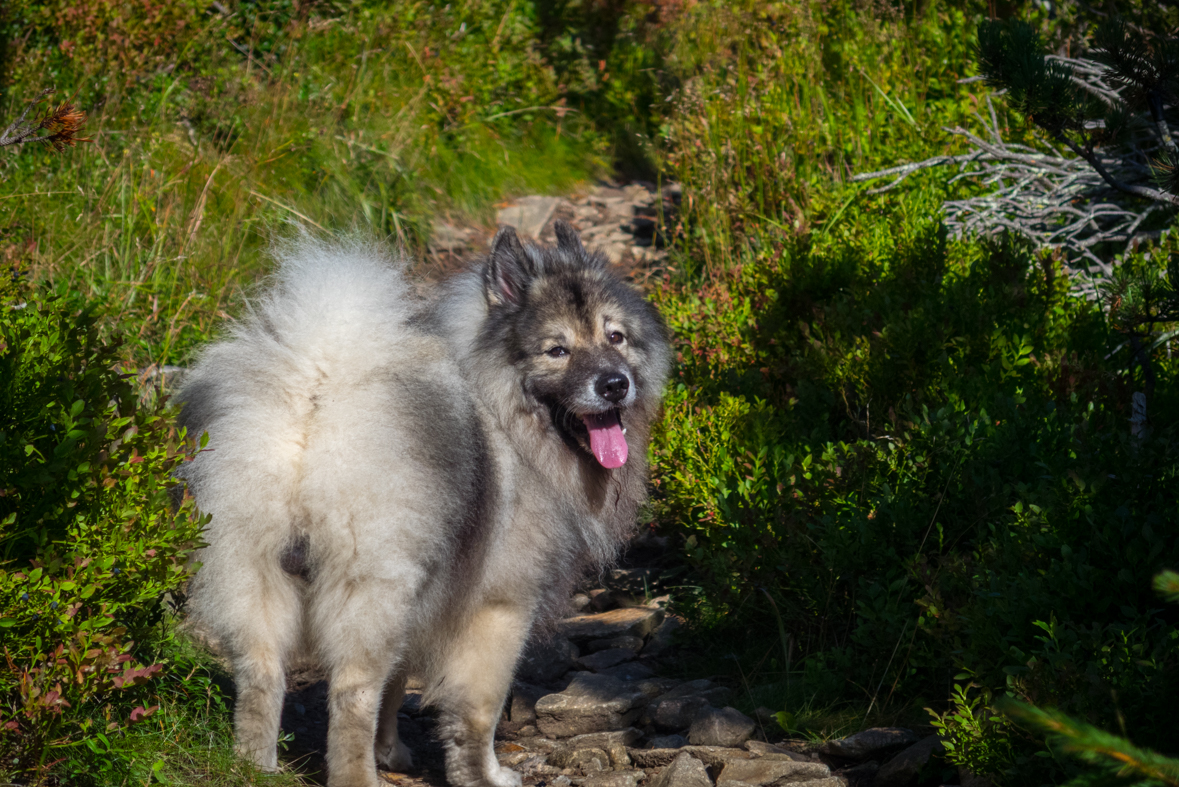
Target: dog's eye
x,y
556,352
617,338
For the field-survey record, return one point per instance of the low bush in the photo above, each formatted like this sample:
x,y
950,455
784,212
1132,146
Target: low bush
x,y
92,552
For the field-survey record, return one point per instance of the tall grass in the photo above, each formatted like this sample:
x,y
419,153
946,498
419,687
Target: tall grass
x,y
374,121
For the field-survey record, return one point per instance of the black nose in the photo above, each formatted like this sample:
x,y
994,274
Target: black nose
x,y
612,387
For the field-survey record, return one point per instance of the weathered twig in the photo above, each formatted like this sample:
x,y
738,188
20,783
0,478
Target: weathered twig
x,y
1073,202
63,123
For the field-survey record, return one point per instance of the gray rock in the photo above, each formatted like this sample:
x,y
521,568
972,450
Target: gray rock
x,y
676,713
770,751
717,756
657,687
767,716
763,771
716,695
662,637
604,659
864,744
523,705
630,671
587,760
904,767
614,779
861,771
721,727
626,643
630,622
528,215
618,757
653,758
684,771
605,740
669,742
830,781
546,660
591,703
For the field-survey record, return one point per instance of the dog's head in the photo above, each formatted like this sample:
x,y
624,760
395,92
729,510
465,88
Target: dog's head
x,y
588,347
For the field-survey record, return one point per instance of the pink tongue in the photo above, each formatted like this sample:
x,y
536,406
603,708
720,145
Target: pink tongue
x,y
606,439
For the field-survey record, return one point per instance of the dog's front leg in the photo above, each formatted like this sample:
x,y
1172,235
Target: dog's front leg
x,y
475,682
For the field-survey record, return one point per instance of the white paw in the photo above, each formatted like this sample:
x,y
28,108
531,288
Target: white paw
x,y
398,757
500,776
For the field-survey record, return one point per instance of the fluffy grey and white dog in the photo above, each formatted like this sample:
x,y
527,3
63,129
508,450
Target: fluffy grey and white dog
x,y
404,486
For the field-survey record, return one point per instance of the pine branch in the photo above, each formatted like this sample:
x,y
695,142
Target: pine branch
x,y
63,123
1116,755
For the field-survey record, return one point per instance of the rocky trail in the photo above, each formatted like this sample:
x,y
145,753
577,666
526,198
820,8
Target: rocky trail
x,y
590,708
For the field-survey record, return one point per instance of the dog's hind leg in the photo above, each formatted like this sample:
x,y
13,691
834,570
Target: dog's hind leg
x,y
474,683
391,753
360,624
262,642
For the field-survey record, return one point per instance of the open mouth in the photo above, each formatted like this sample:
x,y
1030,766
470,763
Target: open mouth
x,y
607,438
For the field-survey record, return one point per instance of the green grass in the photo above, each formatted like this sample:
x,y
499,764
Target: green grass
x,y
358,122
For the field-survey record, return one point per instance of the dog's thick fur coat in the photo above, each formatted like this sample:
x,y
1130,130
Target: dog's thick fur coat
x,y
403,487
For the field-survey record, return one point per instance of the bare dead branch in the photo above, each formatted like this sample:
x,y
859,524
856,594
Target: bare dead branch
x,y
1059,194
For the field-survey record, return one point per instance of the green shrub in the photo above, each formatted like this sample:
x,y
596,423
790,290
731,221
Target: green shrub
x,y
90,546
921,451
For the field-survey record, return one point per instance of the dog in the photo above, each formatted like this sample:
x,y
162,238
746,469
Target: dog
x,y
407,481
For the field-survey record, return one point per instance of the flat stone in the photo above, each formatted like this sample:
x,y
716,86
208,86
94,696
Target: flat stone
x,y
669,742
869,742
615,779
677,713
528,215
763,749
904,767
628,622
721,727
762,771
630,671
684,771
830,781
591,703
716,756
605,740
716,695
653,758
626,643
604,659
546,660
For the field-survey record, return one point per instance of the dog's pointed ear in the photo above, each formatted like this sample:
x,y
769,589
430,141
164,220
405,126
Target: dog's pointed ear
x,y
567,237
508,270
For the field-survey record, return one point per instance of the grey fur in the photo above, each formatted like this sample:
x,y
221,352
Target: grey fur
x,y
402,487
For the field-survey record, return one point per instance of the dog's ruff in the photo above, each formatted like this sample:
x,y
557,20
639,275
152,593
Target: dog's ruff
x,y
406,487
